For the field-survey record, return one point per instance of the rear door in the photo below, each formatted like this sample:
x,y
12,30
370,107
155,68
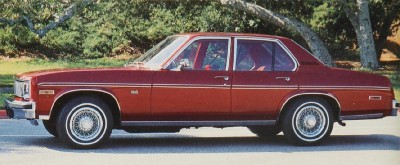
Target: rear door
x,y
264,73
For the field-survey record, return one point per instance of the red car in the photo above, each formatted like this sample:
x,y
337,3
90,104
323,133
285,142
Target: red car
x,y
266,83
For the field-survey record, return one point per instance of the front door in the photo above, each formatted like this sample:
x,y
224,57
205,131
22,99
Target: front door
x,y
264,73
198,91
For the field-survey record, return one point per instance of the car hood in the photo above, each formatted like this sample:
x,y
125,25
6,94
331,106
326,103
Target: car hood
x,y
61,71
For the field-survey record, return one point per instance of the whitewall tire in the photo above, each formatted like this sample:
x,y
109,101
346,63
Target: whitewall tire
x,y
308,121
85,122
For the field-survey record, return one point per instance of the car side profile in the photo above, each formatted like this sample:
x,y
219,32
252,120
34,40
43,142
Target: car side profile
x,y
269,84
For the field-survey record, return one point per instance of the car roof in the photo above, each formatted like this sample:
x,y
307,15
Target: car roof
x,y
226,34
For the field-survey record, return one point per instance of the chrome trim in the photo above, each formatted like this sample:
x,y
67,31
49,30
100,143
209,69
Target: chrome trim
x,y
360,117
190,86
93,84
226,78
264,87
395,107
46,92
395,104
282,78
283,46
78,90
18,104
347,87
44,117
21,109
375,97
19,90
312,93
134,92
199,123
198,38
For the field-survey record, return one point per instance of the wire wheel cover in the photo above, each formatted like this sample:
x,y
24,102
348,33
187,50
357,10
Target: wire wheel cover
x,y
310,122
86,123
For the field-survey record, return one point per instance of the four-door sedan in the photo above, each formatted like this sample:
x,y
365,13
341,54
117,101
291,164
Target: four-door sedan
x,y
266,83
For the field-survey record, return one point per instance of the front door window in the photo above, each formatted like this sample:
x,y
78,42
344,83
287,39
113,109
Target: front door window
x,y
204,54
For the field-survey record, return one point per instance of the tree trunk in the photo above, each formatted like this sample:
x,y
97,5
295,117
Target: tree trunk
x,y
66,15
315,43
358,14
367,46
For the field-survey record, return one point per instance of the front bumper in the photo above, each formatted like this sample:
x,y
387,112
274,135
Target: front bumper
x,y
396,106
20,109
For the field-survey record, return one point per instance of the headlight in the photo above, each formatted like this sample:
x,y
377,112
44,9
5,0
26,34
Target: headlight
x,y
22,88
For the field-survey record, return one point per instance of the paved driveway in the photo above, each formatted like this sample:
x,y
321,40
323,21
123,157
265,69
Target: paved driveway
x,y
360,142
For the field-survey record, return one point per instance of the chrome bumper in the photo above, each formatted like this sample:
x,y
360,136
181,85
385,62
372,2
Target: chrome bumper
x,y
20,109
395,107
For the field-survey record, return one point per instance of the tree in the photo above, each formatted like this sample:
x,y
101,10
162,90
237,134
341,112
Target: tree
x,y
66,15
314,42
120,23
357,12
385,12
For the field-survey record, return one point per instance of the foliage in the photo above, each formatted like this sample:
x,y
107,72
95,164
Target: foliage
x,y
330,21
3,97
108,28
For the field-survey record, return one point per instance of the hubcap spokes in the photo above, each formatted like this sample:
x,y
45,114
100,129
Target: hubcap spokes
x,y
310,121
86,123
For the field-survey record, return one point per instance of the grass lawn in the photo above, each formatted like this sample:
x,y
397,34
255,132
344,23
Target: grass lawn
x,y
394,77
10,67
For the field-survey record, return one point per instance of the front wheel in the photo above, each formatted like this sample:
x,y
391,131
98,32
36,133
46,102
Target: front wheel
x,y
85,122
50,127
308,121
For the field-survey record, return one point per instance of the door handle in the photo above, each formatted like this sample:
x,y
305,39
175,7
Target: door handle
x,y
283,78
226,78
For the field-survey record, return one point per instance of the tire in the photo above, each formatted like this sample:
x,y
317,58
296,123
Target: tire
x,y
308,121
85,122
50,127
265,131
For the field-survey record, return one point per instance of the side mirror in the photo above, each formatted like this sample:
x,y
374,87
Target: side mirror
x,y
183,65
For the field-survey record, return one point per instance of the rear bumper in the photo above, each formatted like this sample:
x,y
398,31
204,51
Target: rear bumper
x,y
395,107
20,109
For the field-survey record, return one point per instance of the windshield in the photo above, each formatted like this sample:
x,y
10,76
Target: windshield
x,y
157,55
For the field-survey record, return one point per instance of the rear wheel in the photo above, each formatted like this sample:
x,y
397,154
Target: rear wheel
x,y
85,122
308,121
50,127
